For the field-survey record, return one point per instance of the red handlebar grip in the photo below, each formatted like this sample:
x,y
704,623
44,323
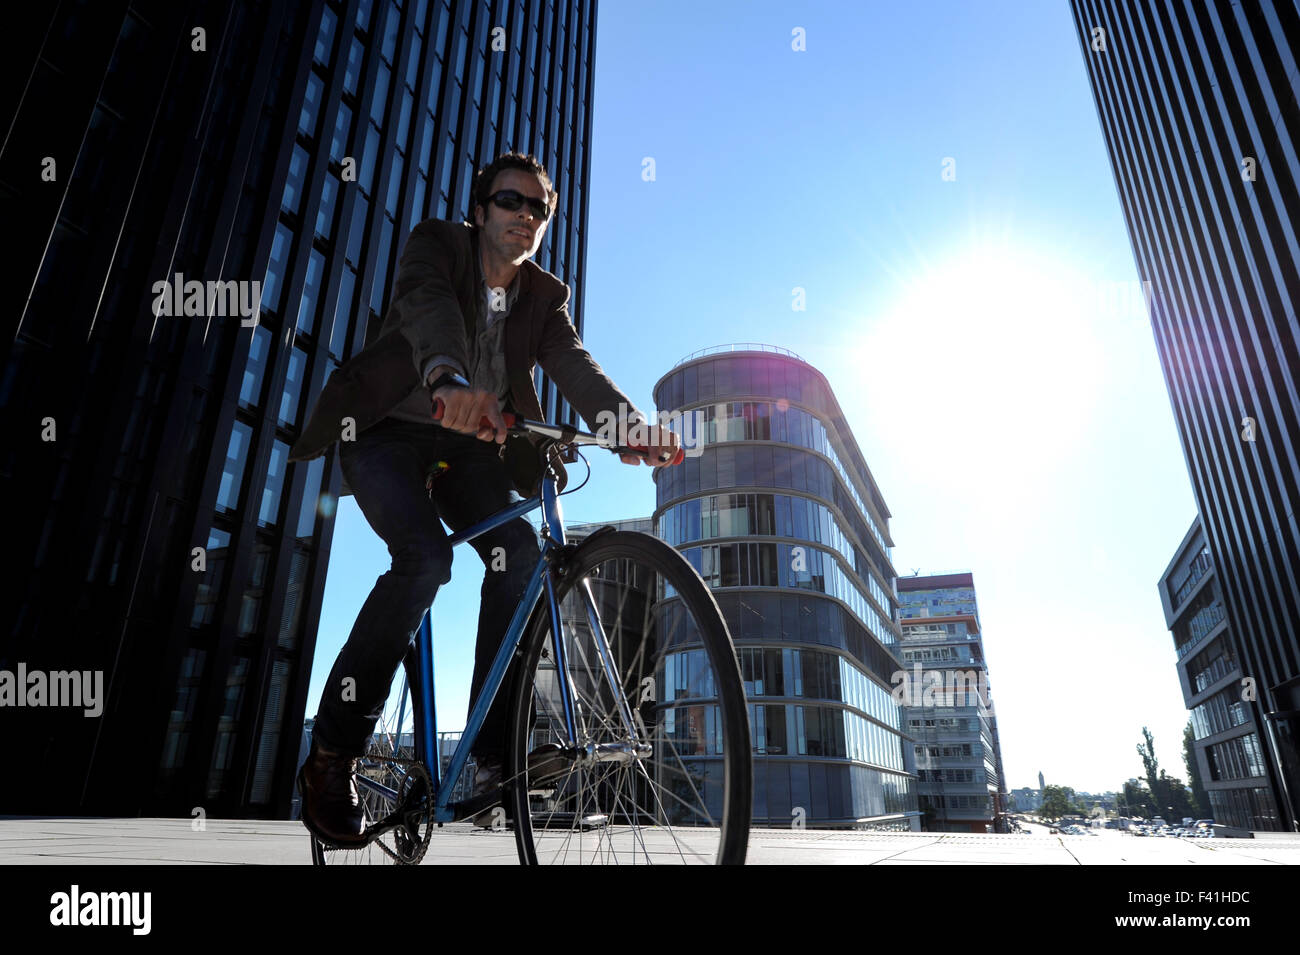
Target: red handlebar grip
x,y
677,458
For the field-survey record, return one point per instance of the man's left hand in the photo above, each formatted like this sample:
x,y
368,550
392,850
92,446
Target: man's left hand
x,y
662,442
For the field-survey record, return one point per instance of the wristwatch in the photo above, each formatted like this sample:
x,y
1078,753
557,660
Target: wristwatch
x,y
448,378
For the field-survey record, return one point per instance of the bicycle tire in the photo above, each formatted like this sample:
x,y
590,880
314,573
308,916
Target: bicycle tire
x,y
392,776
647,808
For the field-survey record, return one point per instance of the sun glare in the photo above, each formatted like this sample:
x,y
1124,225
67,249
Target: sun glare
x,y
991,353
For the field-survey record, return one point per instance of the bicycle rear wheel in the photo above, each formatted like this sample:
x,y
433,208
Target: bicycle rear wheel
x,y
661,769
389,778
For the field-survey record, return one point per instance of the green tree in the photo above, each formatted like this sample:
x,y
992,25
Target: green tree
x,y
1168,793
1177,796
1200,800
1135,800
1057,802
1147,750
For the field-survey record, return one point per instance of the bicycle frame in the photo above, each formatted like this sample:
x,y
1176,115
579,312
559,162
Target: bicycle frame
x,y
543,577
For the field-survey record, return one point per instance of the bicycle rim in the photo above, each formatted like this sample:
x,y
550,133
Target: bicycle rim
x,y
382,784
683,796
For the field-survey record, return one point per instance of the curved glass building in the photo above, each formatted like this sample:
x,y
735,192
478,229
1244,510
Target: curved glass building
x,y
777,510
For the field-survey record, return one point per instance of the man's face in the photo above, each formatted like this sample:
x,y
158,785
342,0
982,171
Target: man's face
x,y
514,235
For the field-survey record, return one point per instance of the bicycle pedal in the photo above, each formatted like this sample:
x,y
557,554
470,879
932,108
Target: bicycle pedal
x,y
469,808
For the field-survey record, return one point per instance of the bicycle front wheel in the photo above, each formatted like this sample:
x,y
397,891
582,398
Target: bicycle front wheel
x,y
394,786
659,769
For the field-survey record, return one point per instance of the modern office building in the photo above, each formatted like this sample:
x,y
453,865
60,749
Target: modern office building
x,y
1200,116
1236,769
777,510
1025,799
167,541
577,533
960,782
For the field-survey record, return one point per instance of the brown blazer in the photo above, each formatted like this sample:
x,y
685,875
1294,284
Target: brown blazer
x,y
432,312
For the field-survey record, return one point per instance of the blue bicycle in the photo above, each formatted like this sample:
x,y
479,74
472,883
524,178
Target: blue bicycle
x,y
628,737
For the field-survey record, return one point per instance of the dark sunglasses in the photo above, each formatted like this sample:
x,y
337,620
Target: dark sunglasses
x,y
511,200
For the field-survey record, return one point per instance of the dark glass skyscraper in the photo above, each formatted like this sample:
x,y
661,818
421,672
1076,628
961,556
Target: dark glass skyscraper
x,y
1198,106
167,542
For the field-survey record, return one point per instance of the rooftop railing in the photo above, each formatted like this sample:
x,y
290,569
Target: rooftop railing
x,y
738,346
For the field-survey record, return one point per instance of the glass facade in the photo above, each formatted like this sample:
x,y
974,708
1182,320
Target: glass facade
x,y
1231,770
1237,758
1221,712
408,94
1250,807
962,787
1211,665
769,515
809,568
786,565
1196,104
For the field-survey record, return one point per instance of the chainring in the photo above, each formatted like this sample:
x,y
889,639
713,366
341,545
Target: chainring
x,y
414,810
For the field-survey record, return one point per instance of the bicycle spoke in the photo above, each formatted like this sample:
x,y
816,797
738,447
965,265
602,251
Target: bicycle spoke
x,y
653,803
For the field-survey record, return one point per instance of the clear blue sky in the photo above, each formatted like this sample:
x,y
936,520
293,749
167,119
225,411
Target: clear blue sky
x,y
1006,396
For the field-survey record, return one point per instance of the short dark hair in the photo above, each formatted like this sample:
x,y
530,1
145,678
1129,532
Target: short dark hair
x,y
483,180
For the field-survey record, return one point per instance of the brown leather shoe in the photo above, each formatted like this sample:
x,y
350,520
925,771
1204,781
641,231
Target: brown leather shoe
x,y
331,806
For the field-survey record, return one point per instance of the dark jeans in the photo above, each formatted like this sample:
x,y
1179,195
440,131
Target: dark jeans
x,y
385,468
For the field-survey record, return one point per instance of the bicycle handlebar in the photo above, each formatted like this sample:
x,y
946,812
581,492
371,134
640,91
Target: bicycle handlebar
x,y
565,434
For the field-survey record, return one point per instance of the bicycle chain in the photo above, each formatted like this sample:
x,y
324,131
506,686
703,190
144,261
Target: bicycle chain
x,y
428,813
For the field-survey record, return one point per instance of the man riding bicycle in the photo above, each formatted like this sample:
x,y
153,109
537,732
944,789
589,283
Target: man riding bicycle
x,y
470,318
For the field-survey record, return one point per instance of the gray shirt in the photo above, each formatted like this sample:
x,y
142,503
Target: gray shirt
x,y
486,350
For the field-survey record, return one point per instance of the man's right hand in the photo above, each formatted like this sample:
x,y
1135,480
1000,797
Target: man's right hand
x,y
464,408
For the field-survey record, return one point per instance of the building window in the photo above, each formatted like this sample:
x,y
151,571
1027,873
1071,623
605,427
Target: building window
x,y
259,348
325,213
276,268
251,605
312,97
342,311
293,379
311,287
310,500
293,184
208,591
269,512
232,473
223,751
269,739
325,38
188,683
352,72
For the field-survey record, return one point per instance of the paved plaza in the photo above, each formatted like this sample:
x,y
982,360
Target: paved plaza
x,y
56,841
